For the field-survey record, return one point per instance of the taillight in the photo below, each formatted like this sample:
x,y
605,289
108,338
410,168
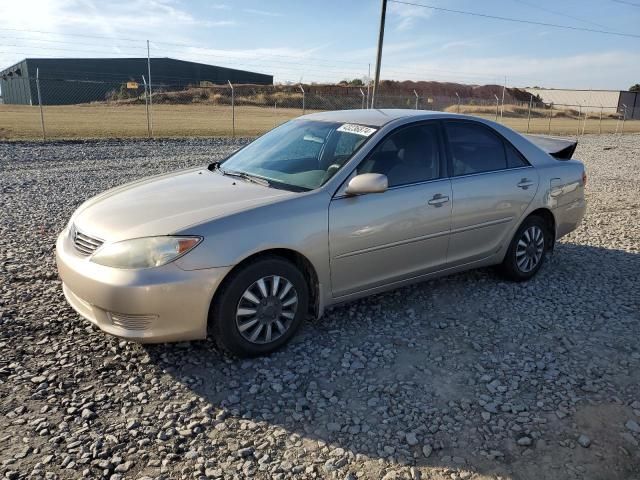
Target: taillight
x,y
584,178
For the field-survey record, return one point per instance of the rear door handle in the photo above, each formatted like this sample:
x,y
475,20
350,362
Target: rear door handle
x,y
525,183
438,200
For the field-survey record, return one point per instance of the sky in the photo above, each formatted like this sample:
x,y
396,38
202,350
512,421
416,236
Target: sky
x,y
330,40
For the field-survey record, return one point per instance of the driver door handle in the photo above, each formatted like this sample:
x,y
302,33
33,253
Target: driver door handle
x,y
525,183
438,200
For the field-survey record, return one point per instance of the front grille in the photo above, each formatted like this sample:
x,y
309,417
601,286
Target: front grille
x,y
131,322
85,244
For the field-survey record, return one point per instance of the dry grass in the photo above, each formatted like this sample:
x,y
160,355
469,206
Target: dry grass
x,y
117,121
100,121
516,111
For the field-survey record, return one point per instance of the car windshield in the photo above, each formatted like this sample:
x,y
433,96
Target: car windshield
x,y
300,154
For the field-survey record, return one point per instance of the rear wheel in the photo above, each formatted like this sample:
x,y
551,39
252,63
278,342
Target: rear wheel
x,y
259,308
527,250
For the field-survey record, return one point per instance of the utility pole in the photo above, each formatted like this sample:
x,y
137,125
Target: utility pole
x,y
376,81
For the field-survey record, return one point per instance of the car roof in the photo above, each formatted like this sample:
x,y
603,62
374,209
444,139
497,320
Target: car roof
x,y
377,117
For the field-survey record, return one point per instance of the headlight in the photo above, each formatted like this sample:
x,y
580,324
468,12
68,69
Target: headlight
x,y
144,252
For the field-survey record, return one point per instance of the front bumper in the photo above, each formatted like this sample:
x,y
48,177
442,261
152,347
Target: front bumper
x,y
163,304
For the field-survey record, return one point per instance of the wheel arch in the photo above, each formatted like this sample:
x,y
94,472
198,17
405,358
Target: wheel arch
x,y
298,259
550,220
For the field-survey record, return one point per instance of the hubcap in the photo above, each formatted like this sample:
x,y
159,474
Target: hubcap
x,y
266,309
530,249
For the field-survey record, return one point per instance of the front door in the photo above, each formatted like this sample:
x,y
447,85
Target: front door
x,y
377,239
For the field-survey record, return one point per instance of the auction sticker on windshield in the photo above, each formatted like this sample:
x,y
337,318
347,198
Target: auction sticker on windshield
x,y
357,129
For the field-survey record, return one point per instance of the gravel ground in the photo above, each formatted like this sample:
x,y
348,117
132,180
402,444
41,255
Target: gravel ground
x,y
463,377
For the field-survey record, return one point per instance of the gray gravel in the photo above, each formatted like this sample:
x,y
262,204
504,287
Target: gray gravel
x,y
463,377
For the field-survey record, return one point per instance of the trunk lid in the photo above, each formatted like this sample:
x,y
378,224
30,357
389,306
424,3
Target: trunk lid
x,y
558,148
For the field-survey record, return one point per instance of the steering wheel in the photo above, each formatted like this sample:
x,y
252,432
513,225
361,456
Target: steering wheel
x,y
331,171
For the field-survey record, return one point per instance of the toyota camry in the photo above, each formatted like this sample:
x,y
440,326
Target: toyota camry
x,y
324,209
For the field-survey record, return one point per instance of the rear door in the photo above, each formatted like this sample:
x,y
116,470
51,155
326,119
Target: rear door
x,y
492,186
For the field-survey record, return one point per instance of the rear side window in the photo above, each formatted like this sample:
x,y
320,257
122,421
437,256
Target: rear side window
x,y
514,157
474,149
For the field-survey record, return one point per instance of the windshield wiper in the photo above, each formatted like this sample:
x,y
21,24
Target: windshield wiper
x,y
246,176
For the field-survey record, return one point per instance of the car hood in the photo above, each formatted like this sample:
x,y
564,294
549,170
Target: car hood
x,y
168,203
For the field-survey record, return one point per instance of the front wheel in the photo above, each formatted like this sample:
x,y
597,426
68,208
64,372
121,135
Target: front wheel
x,y
259,308
527,250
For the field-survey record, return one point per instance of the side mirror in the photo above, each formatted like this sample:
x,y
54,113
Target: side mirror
x,y
367,183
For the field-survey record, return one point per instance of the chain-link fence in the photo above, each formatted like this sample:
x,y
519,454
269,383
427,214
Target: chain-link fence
x,y
63,108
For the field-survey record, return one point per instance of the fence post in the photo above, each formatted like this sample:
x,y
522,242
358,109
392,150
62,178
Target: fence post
x,y
304,107
44,134
233,110
584,122
624,117
550,115
529,114
579,116
600,122
458,101
417,98
363,98
146,105
368,85
150,96
497,106
504,88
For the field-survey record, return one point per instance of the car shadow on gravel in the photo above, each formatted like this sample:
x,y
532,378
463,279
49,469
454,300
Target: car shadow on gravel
x,y
467,373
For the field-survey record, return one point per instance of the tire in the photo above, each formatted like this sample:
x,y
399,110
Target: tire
x,y
246,304
527,251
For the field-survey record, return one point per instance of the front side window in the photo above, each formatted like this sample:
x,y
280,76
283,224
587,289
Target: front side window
x,y
409,155
474,149
299,155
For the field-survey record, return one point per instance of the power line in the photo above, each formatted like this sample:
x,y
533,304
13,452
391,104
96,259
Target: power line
x,y
125,50
157,42
221,57
518,20
562,14
266,64
627,3
327,71
305,67
81,35
427,74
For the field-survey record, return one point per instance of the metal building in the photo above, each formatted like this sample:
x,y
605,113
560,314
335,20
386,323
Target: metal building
x,y
630,103
67,81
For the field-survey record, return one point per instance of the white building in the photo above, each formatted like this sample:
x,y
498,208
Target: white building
x,y
589,100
